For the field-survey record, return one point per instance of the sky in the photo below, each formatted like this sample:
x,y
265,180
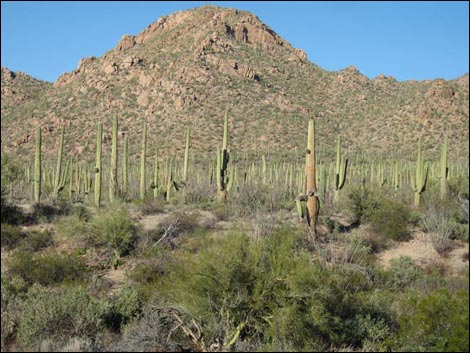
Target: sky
x,y
406,40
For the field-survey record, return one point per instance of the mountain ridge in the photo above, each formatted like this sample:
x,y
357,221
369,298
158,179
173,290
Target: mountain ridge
x,y
186,68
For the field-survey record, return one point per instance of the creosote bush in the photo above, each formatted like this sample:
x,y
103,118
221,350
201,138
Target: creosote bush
x,y
115,228
388,218
58,315
46,269
269,294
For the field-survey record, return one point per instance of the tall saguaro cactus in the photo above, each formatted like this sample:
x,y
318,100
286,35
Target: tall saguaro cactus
x,y
420,177
142,162
124,167
113,182
341,166
311,194
186,158
222,163
444,170
98,171
58,185
37,167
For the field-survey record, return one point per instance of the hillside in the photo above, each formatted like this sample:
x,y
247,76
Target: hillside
x,y
186,68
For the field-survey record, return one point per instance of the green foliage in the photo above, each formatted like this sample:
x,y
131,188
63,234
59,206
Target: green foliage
x,y
46,269
270,292
57,315
362,202
115,228
402,273
36,240
11,236
388,218
125,308
437,322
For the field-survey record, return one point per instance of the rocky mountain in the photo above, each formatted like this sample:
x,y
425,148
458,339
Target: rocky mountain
x,y
185,69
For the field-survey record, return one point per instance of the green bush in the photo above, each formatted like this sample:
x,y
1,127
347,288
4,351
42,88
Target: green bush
x,y
362,202
10,214
436,322
402,273
10,236
125,308
58,315
72,227
46,269
115,228
388,218
36,240
268,293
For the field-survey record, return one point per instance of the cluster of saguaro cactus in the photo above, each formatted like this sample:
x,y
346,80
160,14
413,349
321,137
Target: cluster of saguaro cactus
x,y
313,180
420,177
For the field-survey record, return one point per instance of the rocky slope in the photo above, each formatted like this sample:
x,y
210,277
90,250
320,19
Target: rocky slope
x,y
185,69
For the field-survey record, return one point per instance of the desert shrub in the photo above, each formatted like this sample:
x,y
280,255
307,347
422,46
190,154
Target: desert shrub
x,y
361,203
72,227
10,236
114,228
46,269
147,272
36,240
155,331
149,206
58,315
197,193
170,228
268,293
249,198
402,273
388,218
436,322
10,213
440,228
125,308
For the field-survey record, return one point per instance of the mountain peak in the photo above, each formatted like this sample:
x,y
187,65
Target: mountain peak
x,y
186,68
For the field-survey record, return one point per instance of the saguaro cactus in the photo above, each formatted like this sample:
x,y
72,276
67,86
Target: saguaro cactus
x,y
311,194
113,182
98,171
186,158
340,170
222,163
444,170
155,176
419,179
58,183
37,167
124,167
143,162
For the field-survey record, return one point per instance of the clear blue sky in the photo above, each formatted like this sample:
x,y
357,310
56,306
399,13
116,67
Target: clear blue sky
x,y
407,40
